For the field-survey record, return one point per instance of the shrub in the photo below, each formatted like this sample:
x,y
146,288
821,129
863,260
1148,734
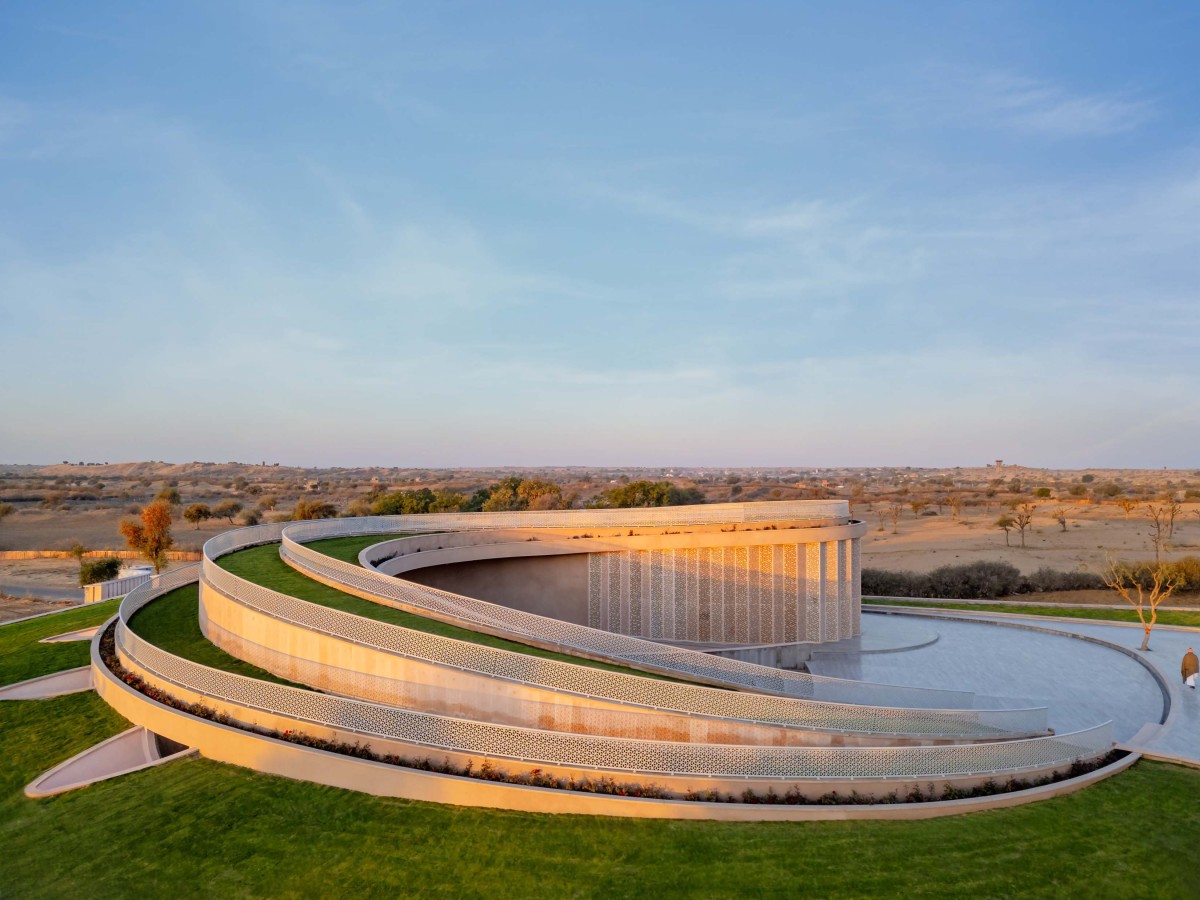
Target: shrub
x,y
93,571
975,580
311,509
1045,579
984,580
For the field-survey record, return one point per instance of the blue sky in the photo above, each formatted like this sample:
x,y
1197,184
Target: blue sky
x,y
611,234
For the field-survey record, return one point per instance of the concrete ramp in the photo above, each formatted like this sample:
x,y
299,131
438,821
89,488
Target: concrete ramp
x,y
129,751
83,634
71,681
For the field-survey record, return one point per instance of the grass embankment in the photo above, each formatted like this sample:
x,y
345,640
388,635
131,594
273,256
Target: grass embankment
x,y
22,657
199,828
172,623
1165,617
263,566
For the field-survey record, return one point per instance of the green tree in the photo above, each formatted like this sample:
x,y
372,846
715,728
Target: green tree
x,y
227,509
152,535
404,503
540,494
170,494
505,496
646,493
197,513
447,501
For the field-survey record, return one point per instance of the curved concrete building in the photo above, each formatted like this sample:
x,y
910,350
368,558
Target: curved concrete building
x,y
618,645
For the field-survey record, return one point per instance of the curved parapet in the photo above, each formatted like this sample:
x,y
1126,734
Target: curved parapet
x,y
384,700
335,642
676,766
263,753
549,633
854,706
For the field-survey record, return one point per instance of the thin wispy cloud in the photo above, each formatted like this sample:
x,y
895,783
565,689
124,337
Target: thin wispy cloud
x,y
366,234
1015,102
1047,108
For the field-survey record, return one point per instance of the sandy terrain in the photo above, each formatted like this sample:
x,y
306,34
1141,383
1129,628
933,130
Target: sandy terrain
x,y
1093,532
57,506
20,607
41,529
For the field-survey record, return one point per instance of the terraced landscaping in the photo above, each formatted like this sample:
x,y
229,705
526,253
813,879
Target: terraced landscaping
x,y
200,828
263,566
172,622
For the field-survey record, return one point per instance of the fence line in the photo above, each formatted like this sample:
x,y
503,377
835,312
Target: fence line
x,y
176,555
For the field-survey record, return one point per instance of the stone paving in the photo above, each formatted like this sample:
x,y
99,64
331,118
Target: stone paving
x,y
1082,683
1179,738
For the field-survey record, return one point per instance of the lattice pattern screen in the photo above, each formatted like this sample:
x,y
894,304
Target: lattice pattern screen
x,y
470,612
890,708
596,752
615,687
728,595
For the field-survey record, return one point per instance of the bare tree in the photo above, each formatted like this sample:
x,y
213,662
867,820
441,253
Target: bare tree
x,y
1144,588
1006,523
1023,518
1173,508
894,513
956,505
1162,524
1059,515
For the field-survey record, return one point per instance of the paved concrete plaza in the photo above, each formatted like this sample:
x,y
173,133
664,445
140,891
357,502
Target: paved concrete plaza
x,y
1081,682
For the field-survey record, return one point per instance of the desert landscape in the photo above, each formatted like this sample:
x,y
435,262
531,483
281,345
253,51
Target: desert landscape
x,y
920,519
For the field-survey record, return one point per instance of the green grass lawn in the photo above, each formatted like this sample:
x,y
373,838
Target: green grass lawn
x,y
347,548
1165,617
172,622
22,657
200,828
262,565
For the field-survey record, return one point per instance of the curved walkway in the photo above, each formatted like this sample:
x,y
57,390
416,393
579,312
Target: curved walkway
x,y
1177,739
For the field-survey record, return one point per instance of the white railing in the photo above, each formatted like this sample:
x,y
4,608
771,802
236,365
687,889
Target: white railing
x,y
856,715
603,754
118,587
